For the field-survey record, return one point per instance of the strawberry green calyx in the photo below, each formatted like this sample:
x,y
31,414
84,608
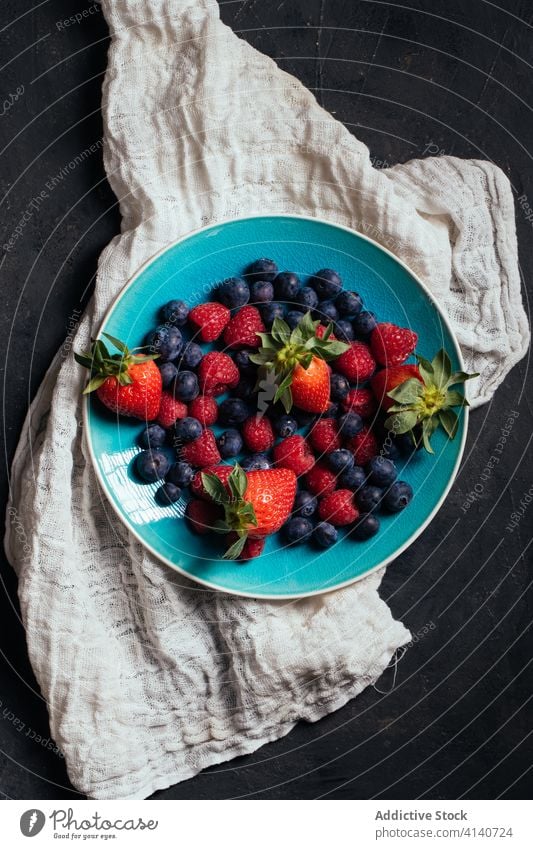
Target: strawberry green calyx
x,y
102,364
283,349
428,402
239,515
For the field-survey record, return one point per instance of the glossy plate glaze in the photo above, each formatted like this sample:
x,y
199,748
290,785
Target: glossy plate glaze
x,y
187,269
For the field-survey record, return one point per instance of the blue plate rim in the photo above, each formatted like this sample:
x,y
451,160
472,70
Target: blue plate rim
x,y
278,596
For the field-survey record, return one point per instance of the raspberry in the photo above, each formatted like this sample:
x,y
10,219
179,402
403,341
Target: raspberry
x,y
170,410
324,436
294,453
204,409
364,446
391,345
242,330
252,547
338,508
257,434
216,373
360,401
320,480
209,320
197,487
321,329
202,515
357,363
201,452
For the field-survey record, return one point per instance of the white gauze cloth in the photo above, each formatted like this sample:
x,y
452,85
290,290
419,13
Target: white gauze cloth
x,y
148,678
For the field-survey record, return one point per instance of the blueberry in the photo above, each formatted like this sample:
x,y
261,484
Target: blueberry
x,y
229,443
339,387
191,356
185,387
382,472
364,323
344,331
166,341
285,426
398,496
187,429
331,413
167,494
293,318
233,411
271,311
256,462
368,498
297,529
303,417
233,292
152,465
261,269
286,286
153,436
325,535
341,459
261,291
326,283
350,424
366,526
307,297
390,449
326,312
245,388
168,373
406,444
305,504
352,478
243,362
175,312
349,303
180,474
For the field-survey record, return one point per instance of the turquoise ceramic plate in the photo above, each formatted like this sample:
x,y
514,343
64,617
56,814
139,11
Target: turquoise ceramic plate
x,y
187,270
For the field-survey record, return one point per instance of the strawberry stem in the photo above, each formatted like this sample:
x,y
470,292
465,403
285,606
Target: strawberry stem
x,y
428,402
239,514
102,364
283,349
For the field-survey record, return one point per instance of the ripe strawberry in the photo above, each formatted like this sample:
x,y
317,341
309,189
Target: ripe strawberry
x,y
320,480
209,320
295,361
201,452
217,373
387,379
252,547
310,386
338,508
204,409
258,504
357,363
170,410
324,436
360,401
126,383
294,453
364,446
197,486
257,434
391,345
242,330
202,515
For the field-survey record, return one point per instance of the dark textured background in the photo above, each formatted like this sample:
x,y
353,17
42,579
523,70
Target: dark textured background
x,y
425,77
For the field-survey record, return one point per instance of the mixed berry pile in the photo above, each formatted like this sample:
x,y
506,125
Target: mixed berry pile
x,y
286,405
